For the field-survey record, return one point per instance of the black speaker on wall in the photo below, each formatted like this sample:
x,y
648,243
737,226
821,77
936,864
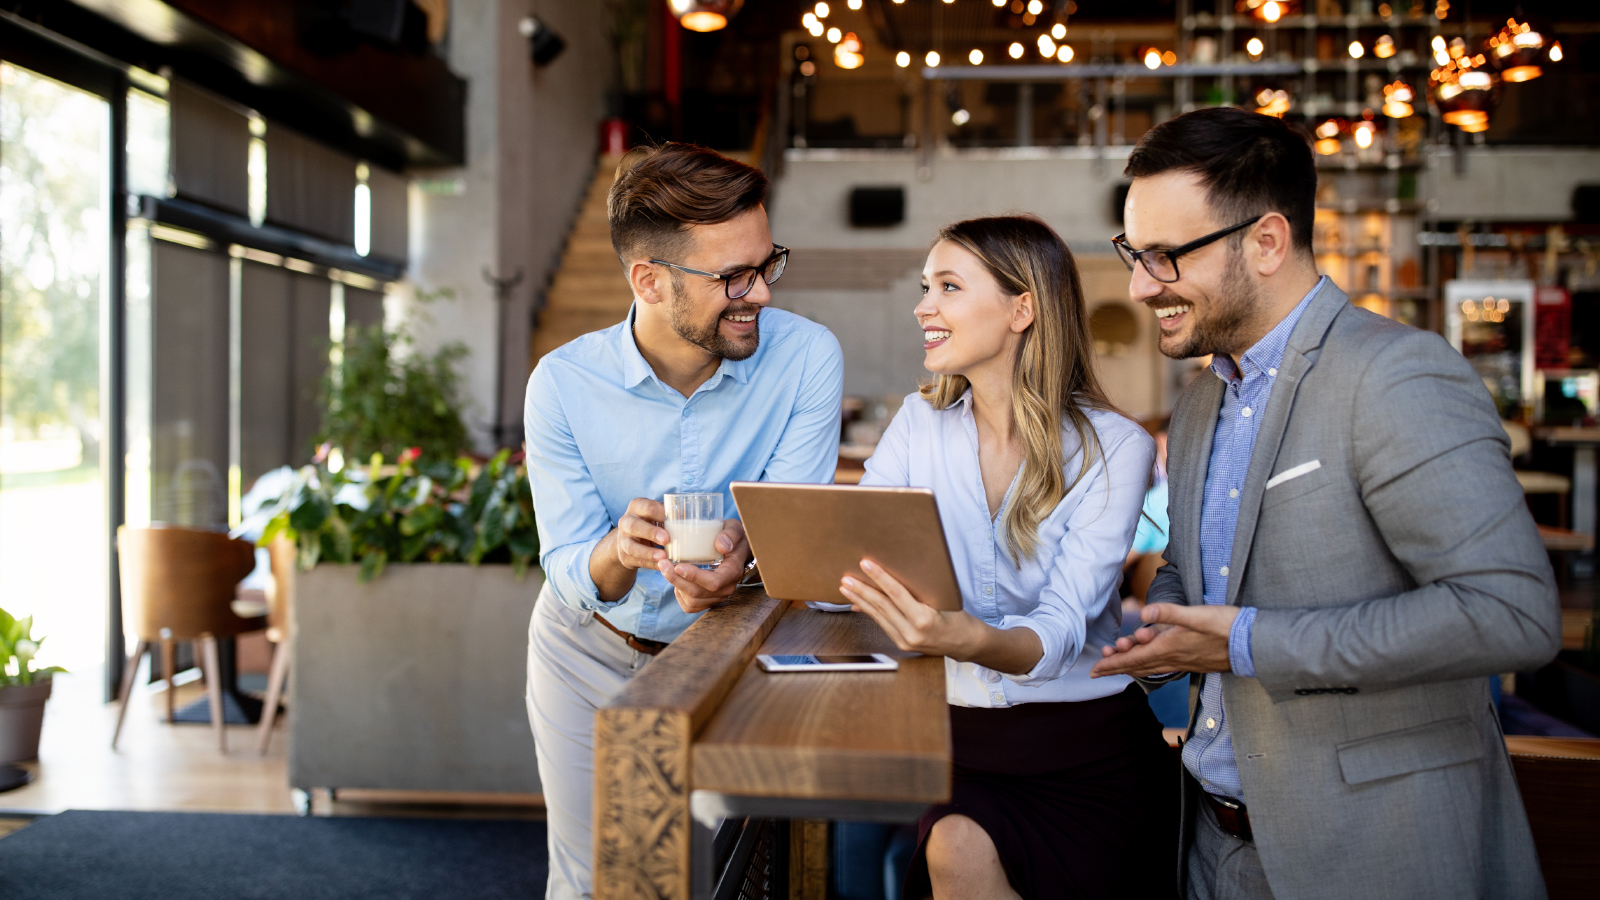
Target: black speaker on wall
x,y
1586,204
877,207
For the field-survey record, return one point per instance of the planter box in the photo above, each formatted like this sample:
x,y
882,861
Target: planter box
x,y
412,681
21,718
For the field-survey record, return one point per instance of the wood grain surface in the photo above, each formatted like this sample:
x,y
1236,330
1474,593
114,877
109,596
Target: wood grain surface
x,y
880,736
642,756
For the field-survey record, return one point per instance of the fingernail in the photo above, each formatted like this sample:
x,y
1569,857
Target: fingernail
x,y
867,566
848,581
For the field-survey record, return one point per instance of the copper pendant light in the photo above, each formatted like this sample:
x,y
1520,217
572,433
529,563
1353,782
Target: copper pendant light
x,y
704,15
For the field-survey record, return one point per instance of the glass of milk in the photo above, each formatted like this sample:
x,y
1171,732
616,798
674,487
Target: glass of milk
x,y
693,523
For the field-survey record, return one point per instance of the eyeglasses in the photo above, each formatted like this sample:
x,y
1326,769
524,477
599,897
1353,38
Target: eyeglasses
x,y
739,282
1163,264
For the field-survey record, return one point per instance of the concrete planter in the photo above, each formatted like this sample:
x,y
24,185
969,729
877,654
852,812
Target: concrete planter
x,y
21,719
412,681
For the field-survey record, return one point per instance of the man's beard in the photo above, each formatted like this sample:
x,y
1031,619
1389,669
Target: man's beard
x,y
709,337
1226,314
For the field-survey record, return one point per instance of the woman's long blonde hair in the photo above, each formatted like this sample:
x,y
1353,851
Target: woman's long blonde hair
x,y
1053,379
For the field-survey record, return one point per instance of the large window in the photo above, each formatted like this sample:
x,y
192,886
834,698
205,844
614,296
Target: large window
x,y
55,167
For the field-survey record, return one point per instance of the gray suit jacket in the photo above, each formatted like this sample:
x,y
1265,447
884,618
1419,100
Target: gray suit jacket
x,y
1395,567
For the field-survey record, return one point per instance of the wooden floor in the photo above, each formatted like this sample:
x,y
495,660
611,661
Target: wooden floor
x,y
160,767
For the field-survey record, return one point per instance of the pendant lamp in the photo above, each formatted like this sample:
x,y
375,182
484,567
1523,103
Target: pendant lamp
x,y
704,15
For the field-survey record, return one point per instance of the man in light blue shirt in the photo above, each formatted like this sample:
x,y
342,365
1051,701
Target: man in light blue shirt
x,y
702,385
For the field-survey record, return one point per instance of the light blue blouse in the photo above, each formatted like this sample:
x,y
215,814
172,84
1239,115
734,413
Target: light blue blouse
x,y
1067,592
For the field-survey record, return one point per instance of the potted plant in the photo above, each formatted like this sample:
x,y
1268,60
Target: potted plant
x,y
23,689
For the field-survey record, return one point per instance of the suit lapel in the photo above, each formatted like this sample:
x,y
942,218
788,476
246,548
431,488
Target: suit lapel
x,y
1191,439
1298,356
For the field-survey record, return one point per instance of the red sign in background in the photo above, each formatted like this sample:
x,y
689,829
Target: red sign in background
x,y
1552,327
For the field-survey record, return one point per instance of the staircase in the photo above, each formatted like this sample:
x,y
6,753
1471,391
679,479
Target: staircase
x,y
589,291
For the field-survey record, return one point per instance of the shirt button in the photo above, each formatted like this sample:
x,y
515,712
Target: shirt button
x,y
1233,494
1246,412
1224,571
1211,723
988,589
997,698
1272,372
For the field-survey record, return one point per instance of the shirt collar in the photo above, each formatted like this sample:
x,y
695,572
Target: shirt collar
x,y
635,368
1267,354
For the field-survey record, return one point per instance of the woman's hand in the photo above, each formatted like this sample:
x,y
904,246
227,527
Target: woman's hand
x,y
910,623
918,627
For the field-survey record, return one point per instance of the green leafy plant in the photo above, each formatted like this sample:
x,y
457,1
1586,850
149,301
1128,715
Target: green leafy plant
x,y
459,511
383,396
18,647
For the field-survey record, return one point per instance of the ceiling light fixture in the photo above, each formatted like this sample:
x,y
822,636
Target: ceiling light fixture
x,y
1064,53
1255,48
932,59
1152,59
902,59
975,57
704,15
1015,51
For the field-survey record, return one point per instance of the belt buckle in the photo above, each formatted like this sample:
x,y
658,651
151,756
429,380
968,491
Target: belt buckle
x,y
1237,812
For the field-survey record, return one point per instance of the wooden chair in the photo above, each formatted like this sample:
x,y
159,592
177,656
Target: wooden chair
x,y
1534,482
1560,783
178,585
280,600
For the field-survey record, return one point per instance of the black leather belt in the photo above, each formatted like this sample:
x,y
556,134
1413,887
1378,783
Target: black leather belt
x,y
1231,816
643,645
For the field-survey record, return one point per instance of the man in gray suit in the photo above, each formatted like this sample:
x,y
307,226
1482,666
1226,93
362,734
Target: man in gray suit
x,y
1350,558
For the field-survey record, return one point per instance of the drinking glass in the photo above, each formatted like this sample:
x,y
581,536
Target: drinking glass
x,y
693,523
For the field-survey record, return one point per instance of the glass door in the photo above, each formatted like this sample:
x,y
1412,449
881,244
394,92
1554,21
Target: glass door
x,y
55,169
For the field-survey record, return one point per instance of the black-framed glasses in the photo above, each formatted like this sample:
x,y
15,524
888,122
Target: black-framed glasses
x,y
739,282
1163,264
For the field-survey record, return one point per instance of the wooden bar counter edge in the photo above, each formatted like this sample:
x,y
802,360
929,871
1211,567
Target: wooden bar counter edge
x,y
701,729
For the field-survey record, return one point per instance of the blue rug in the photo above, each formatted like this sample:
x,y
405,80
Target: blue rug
x,y
90,855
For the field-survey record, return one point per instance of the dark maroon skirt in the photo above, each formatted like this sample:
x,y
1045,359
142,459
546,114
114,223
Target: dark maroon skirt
x,y
1080,799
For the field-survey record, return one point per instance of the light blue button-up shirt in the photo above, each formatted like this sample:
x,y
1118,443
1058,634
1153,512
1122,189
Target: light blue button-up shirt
x,y
1067,591
1208,754
602,429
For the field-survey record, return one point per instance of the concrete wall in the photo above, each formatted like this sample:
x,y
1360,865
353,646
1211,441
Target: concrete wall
x,y
863,283
532,136
1509,184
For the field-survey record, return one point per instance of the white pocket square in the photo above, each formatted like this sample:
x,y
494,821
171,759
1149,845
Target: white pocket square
x,y
1291,474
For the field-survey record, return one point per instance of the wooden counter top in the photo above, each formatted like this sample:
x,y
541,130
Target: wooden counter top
x,y
702,717
882,736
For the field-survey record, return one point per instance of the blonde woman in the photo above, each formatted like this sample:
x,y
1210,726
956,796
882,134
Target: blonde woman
x,y
1063,785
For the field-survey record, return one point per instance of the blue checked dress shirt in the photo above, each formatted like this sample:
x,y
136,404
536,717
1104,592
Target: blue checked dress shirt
x,y
1208,755
602,429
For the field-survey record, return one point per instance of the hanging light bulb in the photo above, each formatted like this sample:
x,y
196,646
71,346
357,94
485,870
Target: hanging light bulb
x,y
1058,31
1356,50
1152,59
848,54
932,59
1328,137
1463,95
1555,52
1517,50
1255,48
1383,48
1363,134
1169,58
1064,53
822,10
1047,47
975,57
1271,11
1015,50
960,117
1397,99
902,59
1035,7
854,4
704,15
999,2
835,35
1272,103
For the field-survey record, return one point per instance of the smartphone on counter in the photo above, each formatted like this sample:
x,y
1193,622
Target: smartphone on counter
x,y
827,662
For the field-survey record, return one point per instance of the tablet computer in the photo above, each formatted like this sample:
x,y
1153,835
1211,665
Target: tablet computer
x,y
806,537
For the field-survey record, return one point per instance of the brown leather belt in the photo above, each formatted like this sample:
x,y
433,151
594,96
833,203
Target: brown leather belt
x,y
643,645
1232,817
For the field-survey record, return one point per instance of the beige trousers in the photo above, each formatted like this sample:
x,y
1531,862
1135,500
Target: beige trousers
x,y
575,665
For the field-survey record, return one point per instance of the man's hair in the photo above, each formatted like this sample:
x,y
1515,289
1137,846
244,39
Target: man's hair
x,y
1250,164
660,191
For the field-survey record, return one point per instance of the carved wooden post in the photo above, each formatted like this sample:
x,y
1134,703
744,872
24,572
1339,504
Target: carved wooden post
x,y
642,750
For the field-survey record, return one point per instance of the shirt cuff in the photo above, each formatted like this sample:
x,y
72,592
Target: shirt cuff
x,y
1044,668
1239,655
